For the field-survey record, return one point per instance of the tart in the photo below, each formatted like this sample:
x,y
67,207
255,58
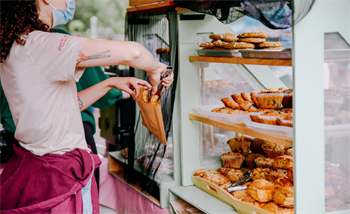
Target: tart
x,y
232,160
240,144
260,173
273,150
283,162
264,162
249,159
261,190
284,197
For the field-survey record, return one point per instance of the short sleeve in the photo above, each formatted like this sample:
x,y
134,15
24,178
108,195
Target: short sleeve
x,y
55,55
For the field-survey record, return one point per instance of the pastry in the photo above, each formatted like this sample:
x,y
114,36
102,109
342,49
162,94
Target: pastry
x,y
224,170
286,120
345,167
232,160
255,147
240,144
249,159
341,117
277,173
273,48
346,103
250,200
239,45
282,182
238,112
260,173
207,45
229,37
229,102
286,110
225,110
212,176
283,162
290,173
215,36
273,208
253,34
253,98
284,197
247,106
334,202
154,99
344,192
225,186
269,45
269,100
273,150
289,152
261,190
328,120
234,175
264,162
332,103
145,95
336,175
238,98
252,40
329,191
240,194
246,97
219,43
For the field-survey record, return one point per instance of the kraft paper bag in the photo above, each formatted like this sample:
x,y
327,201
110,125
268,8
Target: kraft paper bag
x,y
152,118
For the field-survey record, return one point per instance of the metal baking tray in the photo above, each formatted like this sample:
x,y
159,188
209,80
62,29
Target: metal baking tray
x,y
218,52
267,54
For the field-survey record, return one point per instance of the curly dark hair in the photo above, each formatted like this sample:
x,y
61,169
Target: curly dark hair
x,y
18,18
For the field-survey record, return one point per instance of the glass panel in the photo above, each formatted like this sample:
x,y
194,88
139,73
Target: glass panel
x,y
337,122
218,81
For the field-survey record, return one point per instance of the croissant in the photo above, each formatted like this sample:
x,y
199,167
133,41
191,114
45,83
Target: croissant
x,y
229,102
246,96
237,98
253,98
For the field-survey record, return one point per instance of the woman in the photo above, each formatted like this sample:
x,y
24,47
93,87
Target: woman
x,y
52,167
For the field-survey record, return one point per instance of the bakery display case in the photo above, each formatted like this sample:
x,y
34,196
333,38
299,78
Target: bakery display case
x,y
203,135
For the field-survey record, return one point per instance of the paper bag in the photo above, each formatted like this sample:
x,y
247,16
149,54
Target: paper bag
x,y
152,118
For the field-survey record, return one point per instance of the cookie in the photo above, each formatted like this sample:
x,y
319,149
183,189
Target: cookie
x,y
207,45
276,48
252,40
252,34
229,37
219,43
269,45
215,36
239,45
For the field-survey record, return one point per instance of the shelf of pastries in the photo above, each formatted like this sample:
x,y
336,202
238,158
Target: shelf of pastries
x,y
257,176
247,48
266,114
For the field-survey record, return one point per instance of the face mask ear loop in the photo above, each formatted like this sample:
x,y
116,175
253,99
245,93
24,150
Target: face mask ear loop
x,y
52,6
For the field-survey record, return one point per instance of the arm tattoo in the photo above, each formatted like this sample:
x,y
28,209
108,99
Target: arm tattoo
x,y
81,105
83,57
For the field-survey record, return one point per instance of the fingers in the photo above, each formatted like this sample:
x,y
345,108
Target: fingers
x,y
168,80
129,91
143,82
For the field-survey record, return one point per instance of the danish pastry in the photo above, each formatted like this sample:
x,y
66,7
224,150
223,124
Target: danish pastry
x,y
261,190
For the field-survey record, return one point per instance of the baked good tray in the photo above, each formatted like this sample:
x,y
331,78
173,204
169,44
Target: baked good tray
x,y
267,54
221,194
205,110
218,52
270,129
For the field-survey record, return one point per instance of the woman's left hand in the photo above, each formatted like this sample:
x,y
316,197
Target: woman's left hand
x,y
130,85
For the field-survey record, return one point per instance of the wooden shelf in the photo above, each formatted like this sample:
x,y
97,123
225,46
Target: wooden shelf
x,y
241,60
240,128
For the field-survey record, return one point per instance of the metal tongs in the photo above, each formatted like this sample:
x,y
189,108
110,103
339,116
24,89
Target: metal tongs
x,y
245,178
160,87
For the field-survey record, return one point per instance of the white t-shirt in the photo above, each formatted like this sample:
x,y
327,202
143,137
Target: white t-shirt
x,y
39,83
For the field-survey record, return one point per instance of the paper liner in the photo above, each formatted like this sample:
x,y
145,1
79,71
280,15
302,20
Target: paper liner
x,y
270,100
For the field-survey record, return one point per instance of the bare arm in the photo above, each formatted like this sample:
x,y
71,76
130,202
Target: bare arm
x,y
128,84
103,53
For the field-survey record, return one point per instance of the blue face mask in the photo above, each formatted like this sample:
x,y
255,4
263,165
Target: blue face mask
x,y
62,17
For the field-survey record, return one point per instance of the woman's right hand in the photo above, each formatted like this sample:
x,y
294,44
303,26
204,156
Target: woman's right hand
x,y
154,77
